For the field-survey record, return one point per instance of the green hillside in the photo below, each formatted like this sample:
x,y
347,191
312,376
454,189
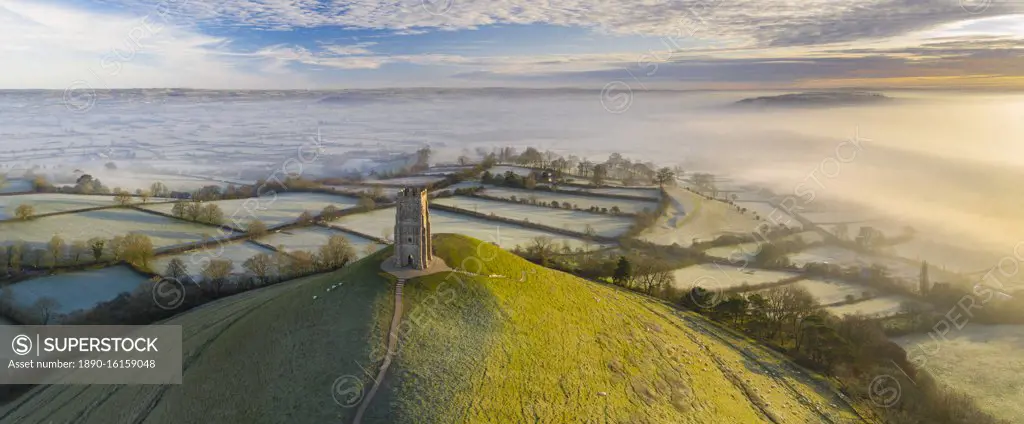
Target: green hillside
x,y
529,345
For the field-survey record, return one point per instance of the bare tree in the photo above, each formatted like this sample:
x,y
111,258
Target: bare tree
x,y
178,210
212,214
97,244
79,248
302,261
138,249
158,189
193,210
216,273
177,270
329,213
260,265
24,212
651,276
366,203
57,247
14,255
541,247
122,198
336,253
256,229
305,218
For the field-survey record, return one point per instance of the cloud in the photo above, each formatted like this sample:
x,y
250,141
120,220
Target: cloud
x,y
46,46
751,22
774,41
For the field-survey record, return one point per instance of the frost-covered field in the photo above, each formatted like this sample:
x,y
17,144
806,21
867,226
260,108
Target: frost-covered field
x,y
604,225
878,307
770,213
692,217
44,203
132,181
237,253
164,232
722,277
986,361
273,210
77,290
845,257
582,201
382,222
311,238
828,292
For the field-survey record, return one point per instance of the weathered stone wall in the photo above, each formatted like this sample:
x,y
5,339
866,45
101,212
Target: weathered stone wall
x,y
412,229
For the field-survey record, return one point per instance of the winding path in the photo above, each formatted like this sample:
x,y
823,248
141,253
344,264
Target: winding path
x,y
392,349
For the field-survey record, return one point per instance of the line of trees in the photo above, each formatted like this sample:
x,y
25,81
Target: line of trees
x,y
216,279
196,210
615,167
134,248
264,268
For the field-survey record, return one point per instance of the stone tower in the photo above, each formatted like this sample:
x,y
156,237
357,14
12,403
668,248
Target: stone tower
x,y
413,247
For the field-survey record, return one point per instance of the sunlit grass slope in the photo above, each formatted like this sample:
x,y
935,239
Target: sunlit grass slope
x,y
537,345
530,345
269,356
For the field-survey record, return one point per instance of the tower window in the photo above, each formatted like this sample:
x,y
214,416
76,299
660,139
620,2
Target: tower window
x,y
410,239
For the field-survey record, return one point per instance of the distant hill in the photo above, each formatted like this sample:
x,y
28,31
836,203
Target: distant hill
x,y
541,346
812,99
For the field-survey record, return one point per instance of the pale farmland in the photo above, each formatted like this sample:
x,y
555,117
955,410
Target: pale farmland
x,y
106,224
581,201
44,203
273,210
195,261
717,277
691,217
828,292
76,290
310,239
382,223
603,225
845,257
883,306
986,361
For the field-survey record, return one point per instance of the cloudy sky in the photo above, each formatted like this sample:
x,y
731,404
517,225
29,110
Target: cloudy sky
x,y
589,43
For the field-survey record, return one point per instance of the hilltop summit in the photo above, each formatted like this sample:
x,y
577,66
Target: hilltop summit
x,y
512,342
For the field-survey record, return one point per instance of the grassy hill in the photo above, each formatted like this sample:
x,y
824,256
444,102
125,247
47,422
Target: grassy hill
x,y
517,343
